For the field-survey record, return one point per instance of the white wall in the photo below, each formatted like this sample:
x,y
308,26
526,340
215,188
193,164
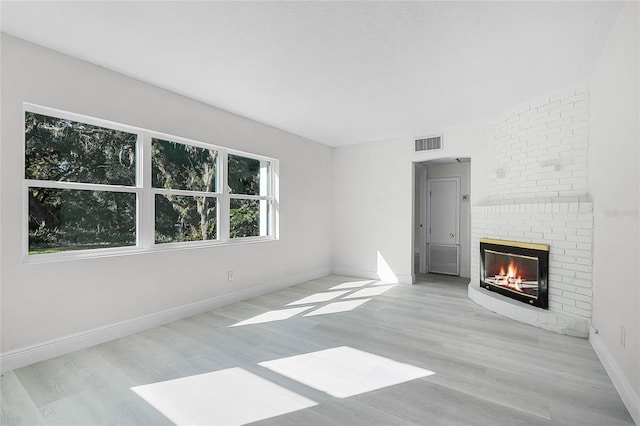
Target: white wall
x,y
48,301
614,185
461,170
373,192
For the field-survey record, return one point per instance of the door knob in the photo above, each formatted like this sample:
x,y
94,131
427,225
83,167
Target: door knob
x,y
451,235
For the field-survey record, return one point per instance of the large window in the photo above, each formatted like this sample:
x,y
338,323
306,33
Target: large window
x,y
92,185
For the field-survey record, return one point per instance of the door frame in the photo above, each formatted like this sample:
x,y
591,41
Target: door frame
x,y
422,246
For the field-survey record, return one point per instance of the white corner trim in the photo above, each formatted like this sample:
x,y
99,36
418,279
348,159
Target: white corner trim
x,y
620,382
31,354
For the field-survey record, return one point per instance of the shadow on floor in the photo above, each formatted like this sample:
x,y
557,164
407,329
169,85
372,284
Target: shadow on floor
x,y
441,279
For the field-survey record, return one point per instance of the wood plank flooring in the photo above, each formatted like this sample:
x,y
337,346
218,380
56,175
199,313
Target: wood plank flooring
x,y
487,370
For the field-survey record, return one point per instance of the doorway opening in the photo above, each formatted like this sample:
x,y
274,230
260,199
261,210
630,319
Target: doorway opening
x,y
442,227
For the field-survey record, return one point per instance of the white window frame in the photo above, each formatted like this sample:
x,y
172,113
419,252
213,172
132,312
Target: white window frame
x,y
145,193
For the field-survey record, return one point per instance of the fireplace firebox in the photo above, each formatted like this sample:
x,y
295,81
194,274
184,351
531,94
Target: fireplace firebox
x,y
517,270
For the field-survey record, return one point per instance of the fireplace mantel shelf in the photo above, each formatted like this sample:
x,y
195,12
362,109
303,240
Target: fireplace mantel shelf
x,y
542,206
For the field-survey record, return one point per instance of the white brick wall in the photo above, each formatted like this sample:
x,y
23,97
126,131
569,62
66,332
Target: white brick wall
x,y
537,164
539,149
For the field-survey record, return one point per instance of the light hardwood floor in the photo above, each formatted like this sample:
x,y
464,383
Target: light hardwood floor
x,y
487,370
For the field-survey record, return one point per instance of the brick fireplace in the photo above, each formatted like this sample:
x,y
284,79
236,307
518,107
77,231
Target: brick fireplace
x,y
537,165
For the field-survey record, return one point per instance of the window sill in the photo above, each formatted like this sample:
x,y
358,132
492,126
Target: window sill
x,y
130,251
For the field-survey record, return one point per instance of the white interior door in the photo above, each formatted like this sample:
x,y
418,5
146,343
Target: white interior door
x,y
443,222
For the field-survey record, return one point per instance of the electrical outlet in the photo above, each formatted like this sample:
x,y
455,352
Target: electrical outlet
x,y
623,336
230,275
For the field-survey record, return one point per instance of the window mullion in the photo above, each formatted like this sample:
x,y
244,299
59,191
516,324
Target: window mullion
x,y
35,183
146,213
223,207
25,220
250,197
275,198
185,192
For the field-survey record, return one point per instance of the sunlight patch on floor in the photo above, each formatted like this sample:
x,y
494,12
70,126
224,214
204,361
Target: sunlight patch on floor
x,y
370,291
226,397
352,295
344,371
351,284
319,297
278,315
336,307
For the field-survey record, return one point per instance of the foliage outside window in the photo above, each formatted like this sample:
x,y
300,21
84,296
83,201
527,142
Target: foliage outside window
x,y
93,202
249,183
185,185
86,188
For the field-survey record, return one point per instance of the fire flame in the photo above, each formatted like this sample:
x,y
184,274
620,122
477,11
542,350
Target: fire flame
x,y
510,278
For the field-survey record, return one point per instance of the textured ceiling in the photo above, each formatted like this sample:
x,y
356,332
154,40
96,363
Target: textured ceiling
x,y
334,72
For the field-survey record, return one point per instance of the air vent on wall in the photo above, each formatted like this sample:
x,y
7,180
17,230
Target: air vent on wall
x,y
431,143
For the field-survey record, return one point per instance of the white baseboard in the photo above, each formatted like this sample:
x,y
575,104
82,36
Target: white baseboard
x,y
406,279
353,272
373,275
67,344
622,385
